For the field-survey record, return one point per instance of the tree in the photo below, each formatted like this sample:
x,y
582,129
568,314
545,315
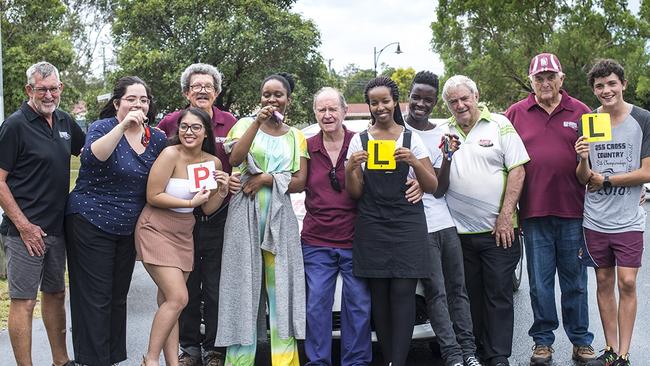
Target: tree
x,y
404,79
492,43
355,80
245,39
33,31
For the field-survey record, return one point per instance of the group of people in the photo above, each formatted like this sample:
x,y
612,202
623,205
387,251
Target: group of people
x,y
230,258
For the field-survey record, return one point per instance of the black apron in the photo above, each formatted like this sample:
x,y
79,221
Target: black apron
x,y
390,239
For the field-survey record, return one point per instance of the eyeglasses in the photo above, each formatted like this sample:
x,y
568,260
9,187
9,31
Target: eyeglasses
x,y
195,127
198,87
42,91
135,100
334,181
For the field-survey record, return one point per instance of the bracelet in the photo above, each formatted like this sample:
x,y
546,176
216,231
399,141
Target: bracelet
x,y
224,196
189,202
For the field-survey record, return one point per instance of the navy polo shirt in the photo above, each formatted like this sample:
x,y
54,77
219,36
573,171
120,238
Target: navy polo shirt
x,y
37,159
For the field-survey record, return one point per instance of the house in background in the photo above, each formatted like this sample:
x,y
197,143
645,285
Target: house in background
x,y
361,111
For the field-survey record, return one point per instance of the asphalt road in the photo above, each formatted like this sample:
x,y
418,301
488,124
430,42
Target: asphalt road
x,y
142,306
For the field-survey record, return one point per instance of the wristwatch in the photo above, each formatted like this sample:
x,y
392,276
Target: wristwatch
x,y
607,183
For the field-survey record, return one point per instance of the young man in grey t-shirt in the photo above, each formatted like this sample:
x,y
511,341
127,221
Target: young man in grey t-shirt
x,y
614,172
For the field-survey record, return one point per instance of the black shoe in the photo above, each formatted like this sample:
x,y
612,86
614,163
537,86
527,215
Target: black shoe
x,y
622,361
472,361
499,361
607,358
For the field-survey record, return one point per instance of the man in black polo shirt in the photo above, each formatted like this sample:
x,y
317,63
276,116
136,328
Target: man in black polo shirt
x,y
35,146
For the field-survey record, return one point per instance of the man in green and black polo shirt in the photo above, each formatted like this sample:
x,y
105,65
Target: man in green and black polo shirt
x,y
484,182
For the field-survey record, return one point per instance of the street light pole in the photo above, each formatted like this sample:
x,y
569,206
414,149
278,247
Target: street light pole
x,y
376,54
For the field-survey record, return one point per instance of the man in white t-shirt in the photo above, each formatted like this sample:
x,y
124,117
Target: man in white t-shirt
x,y
482,186
446,296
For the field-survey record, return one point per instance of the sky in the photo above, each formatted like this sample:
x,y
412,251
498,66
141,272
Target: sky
x,y
350,30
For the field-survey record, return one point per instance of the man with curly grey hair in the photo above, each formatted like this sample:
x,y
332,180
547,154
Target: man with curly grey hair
x,y
201,84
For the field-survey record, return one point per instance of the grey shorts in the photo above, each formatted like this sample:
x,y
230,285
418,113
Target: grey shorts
x,y
25,273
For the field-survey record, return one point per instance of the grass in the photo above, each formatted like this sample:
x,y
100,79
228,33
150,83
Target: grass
x,y
4,304
4,292
74,170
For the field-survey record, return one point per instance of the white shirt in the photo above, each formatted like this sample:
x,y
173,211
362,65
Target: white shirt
x,y
479,171
435,209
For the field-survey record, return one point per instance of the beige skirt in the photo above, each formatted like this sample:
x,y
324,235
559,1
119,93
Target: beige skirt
x,y
164,238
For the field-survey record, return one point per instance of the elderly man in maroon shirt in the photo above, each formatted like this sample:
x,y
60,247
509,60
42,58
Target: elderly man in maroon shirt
x,y
328,230
327,233
201,84
551,208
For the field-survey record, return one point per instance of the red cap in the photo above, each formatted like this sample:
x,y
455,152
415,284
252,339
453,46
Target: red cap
x,y
544,62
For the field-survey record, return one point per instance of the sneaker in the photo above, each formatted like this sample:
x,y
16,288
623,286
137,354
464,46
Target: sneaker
x,y
472,361
213,358
185,359
542,355
607,358
622,361
583,354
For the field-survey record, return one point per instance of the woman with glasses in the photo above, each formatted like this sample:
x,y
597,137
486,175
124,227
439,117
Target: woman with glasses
x,y
101,214
163,234
261,248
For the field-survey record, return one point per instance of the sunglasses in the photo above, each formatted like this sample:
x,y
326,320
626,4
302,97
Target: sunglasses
x,y
334,181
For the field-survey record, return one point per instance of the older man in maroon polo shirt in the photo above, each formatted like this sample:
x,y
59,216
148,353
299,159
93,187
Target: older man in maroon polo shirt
x,y
328,230
201,84
551,208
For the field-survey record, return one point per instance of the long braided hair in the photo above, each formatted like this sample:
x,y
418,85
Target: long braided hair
x,y
394,93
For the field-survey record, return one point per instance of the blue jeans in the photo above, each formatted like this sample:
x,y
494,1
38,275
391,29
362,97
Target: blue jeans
x,y
552,243
322,264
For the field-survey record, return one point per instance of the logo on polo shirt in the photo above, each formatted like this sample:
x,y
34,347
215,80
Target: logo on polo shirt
x,y
571,125
485,143
64,135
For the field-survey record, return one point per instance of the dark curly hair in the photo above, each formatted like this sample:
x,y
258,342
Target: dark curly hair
x,y
427,78
603,68
394,93
286,79
118,92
